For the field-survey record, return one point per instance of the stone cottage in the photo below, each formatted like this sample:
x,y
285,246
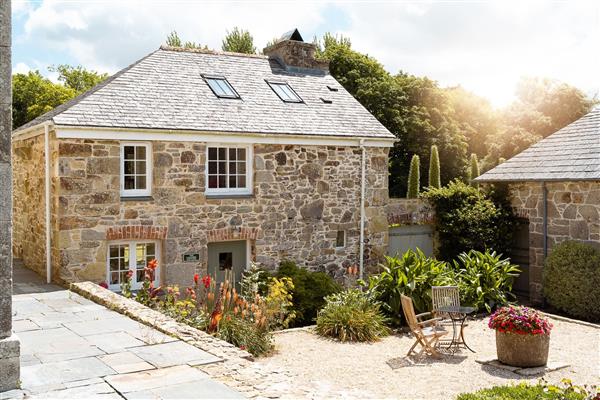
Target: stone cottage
x,y
205,161
555,185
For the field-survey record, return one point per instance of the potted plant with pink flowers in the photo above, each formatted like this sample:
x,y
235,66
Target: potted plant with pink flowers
x,y
522,336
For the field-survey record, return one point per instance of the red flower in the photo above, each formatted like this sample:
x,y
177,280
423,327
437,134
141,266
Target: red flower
x,y
103,284
152,264
196,277
206,281
129,274
242,347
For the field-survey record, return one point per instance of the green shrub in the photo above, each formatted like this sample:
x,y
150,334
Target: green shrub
x,y
525,391
414,178
351,316
434,168
244,334
485,279
310,290
469,219
571,280
413,274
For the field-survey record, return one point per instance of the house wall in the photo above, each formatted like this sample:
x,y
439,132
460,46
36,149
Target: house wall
x,y
29,227
573,213
302,196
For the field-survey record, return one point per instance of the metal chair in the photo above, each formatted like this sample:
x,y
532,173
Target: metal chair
x,y
444,296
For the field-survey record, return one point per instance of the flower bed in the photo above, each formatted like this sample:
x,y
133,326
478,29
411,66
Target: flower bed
x,y
244,317
520,320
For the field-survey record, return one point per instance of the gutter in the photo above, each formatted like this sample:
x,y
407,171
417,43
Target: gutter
x,y
47,197
362,208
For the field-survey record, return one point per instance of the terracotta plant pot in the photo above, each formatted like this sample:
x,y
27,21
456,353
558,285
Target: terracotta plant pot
x,y
522,350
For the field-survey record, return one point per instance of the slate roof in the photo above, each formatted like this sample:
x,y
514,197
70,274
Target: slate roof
x,y
572,153
165,90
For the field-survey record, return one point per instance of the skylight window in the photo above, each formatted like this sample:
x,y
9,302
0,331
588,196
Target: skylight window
x,y
285,92
221,88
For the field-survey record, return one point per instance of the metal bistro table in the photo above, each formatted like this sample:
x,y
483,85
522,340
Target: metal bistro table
x,y
458,315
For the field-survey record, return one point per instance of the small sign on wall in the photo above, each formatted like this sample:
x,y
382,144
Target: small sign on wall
x,y
191,257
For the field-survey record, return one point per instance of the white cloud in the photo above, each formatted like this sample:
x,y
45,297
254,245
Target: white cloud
x,y
21,68
108,35
485,46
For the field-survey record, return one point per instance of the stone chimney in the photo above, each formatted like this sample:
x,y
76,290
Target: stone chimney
x,y
295,55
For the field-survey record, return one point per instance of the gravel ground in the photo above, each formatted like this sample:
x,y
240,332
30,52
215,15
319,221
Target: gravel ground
x,y
324,368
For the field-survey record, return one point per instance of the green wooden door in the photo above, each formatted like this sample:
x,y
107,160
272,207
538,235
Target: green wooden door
x,y
224,257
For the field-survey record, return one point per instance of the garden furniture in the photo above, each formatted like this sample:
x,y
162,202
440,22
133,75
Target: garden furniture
x,y
458,315
427,332
442,296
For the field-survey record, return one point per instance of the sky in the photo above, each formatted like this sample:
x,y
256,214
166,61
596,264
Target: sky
x,y
484,46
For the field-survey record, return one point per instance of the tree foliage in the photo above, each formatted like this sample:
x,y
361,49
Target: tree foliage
x,y
173,40
414,178
239,41
434,168
413,108
34,95
474,170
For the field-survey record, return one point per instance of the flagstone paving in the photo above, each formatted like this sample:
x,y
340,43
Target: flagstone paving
x,y
72,347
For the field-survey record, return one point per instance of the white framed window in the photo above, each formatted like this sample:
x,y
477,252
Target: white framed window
x,y
131,256
136,169
285,92
228,169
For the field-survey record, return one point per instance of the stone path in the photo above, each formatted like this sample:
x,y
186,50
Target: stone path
x,y
72,347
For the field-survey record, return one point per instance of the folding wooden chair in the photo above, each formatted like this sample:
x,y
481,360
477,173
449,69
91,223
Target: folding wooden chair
x,y
427,333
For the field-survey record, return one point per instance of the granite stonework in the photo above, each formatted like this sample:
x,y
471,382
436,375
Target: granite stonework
x,y
573,214
9,342
302,195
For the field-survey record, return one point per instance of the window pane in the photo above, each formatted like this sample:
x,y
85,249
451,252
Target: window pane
x,y
114,252
215,87
140,152
212,167
140,182
129,182
222,182
212,181
129,167
129,152
285,92
140,167
139,275
222,167
140,256
241,154
241,181
232,154
221,87
232,168
114,264
212,153
242,167
122,251
222,153
232,183
114,278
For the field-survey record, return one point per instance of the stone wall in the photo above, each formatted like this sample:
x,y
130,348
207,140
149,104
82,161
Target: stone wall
x,y
573,213
29,226
302,197
403,211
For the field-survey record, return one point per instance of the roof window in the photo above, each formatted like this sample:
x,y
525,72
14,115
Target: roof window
x,y
285,92
221,88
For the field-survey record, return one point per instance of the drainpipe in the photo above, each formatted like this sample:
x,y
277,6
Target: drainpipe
x,y
47,182
545,221
362,209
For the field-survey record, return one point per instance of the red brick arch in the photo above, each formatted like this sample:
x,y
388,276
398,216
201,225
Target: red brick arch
x,y
136,232
219,235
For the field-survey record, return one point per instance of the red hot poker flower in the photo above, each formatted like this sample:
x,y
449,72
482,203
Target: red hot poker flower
x,y
206,281
196,277
152,264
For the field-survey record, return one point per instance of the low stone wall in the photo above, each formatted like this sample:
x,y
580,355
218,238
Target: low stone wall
x,y
237,369
409,212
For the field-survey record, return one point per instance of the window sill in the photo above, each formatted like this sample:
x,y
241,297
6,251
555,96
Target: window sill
x,y
229,195
137,198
